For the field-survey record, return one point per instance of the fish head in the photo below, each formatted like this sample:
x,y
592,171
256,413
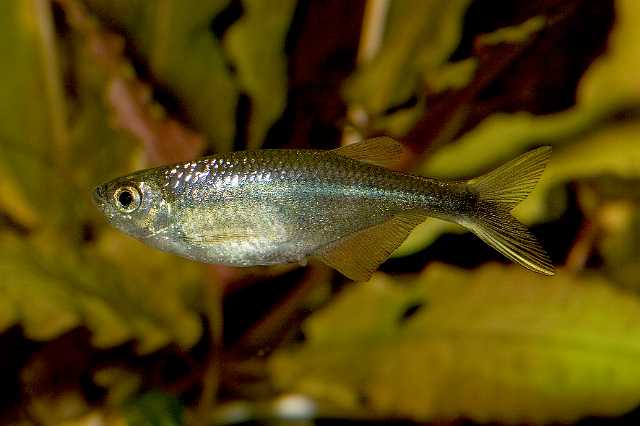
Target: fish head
x,y
135,204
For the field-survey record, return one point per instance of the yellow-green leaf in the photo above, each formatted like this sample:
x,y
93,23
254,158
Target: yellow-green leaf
x,y
255,44
33,128
499,344
182,54
453,75
155,409
605,87
53,281
120,291
419,37
515,34
581,147
45,172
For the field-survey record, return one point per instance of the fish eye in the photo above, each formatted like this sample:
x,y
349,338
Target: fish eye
x,y
127,198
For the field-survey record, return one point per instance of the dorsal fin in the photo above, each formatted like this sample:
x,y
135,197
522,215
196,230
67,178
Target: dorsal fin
x,y
382,151
358,255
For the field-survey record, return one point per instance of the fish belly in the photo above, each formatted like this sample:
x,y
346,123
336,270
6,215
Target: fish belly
x,y
278,227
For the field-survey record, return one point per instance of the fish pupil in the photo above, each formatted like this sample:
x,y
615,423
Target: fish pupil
x,y
125,198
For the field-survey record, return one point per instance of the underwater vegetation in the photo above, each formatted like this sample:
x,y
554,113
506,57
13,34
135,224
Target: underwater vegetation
x,y
99,328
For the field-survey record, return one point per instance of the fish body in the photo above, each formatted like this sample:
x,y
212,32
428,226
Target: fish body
x,y
267,207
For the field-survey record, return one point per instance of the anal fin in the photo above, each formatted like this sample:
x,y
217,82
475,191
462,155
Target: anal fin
x,y
358,255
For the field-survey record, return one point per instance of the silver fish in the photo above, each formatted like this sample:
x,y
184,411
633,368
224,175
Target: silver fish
x,y
343,206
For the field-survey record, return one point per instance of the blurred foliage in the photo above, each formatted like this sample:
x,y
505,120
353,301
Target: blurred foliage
x,y
97,328
605,89
181,55
50,290
495,345
154,409
419,37
259,61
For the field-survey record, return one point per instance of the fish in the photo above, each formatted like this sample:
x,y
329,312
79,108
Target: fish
x,y
347,207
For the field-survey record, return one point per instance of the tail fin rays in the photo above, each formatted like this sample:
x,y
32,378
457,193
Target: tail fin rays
x,y
511,183
499,191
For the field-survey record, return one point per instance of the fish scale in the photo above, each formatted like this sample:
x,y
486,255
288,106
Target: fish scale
x,y
266,207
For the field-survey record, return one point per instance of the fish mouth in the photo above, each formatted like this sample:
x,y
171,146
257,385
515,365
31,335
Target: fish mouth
x,y
99,196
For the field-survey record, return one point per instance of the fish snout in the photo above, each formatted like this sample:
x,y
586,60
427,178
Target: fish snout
x,y
99,195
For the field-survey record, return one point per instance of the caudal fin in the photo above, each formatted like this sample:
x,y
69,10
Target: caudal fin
x,y
499,191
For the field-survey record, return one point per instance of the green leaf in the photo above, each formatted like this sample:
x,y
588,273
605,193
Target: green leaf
x,y
255,44
425,234
44,172
119,383
155,409
514,35
609,83
419,37
53,281
120,291
455,75
581,146
33,129
499,344
603,89
183,55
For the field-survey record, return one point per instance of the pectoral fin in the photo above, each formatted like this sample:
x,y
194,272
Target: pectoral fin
x,y
358,255
218,237
382,151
